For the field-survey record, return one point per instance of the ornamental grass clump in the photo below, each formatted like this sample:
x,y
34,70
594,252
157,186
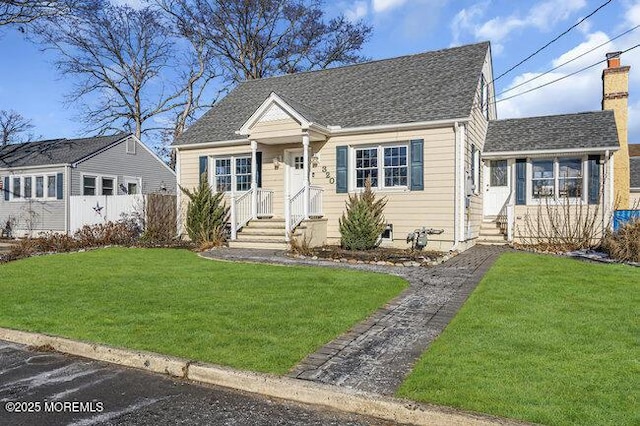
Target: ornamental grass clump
x,y
624,244
207,215
363,222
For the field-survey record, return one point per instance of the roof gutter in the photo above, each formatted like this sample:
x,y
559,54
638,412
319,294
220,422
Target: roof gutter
x,y
502,154
211,144
42,166
337,130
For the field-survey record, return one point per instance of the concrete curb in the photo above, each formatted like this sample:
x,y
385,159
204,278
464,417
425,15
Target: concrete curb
x,y
286,388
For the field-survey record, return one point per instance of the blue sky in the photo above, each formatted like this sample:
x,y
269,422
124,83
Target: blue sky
x,y
30,85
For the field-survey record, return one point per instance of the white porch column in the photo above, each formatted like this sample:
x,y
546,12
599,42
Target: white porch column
x,y
305,153
234,215
254,183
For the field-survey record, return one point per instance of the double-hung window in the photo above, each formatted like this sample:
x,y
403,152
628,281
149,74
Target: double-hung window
x,y
393,168
28,187
17,187
560,178
543,178
88,185
232,172
39,186
51,186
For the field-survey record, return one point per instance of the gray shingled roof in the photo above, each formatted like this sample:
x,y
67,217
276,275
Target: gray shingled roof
x,y
429,86
634,167
55,151
634,149
568,131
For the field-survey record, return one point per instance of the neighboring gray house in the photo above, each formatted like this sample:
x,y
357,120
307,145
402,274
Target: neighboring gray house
x,y
38,178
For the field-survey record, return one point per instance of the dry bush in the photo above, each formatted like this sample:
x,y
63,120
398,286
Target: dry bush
x,y
624,244
300,246
160,219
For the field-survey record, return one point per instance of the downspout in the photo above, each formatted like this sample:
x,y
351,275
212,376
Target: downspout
x,y
457,208
67,198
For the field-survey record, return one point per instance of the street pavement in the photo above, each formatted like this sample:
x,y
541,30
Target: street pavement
x,y
56,389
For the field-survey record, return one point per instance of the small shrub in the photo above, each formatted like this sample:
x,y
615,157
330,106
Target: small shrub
x,y
624,244
300,246
363,222
207,215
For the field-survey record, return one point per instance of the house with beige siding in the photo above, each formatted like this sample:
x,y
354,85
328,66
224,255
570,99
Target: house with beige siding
x,y
287,152
39,179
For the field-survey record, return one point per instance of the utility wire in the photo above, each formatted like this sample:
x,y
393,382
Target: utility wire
x,y
552,41
568,62
561,78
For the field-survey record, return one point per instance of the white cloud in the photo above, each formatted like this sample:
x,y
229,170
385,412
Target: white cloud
x,y
357,11
384,5
496,29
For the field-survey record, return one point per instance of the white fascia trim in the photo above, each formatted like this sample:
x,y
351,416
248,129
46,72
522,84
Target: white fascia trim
x,y
336,130
211,144
18,170
273,98
101,150
511,154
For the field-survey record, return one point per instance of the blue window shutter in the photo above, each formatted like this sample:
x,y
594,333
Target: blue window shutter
x,y
59,186
203,169
6,188
594,179
259,169
342,169
417,165
521,181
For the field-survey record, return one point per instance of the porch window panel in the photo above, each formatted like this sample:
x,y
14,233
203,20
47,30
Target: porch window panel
x,y
39,186
570,178
395,166
543,179
17,193
28,187
366,166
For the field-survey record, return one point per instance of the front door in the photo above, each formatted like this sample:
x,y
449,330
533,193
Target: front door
x,y
497,186
295,165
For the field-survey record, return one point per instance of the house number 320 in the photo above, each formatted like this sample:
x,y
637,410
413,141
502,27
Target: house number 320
x,y
327,174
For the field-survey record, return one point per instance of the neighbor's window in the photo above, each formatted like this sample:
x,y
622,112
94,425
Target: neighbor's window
x,y
39,186
570,177
395,166
107,186
28,187
51,186
498,170
132,188
89,185
542,181
16,187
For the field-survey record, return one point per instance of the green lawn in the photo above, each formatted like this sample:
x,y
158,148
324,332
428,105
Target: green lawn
x,y
248,316
544,339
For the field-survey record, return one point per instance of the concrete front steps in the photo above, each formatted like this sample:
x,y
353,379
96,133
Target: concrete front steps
x,y
262,234
491,234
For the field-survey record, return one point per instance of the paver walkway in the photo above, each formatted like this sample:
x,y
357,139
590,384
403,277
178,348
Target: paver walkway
x,y
377,354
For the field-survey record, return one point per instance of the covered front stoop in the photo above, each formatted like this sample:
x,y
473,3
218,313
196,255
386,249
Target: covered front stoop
x,y
492,232
263,234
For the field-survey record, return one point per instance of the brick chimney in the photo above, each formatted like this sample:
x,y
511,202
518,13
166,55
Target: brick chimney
x,y
615,95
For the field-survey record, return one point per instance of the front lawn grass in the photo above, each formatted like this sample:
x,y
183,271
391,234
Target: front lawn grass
x,y
248,316
543,339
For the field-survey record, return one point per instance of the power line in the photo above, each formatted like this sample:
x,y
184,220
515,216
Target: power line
x,y
568,62
561,78
552,41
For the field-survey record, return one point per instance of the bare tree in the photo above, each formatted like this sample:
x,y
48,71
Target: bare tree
x,y
116,55
28,11
12,126
259,38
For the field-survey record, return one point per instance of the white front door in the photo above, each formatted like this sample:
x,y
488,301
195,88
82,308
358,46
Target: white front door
x,y
295,165
497,181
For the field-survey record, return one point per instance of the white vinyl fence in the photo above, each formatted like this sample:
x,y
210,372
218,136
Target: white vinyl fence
x,y
97,209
